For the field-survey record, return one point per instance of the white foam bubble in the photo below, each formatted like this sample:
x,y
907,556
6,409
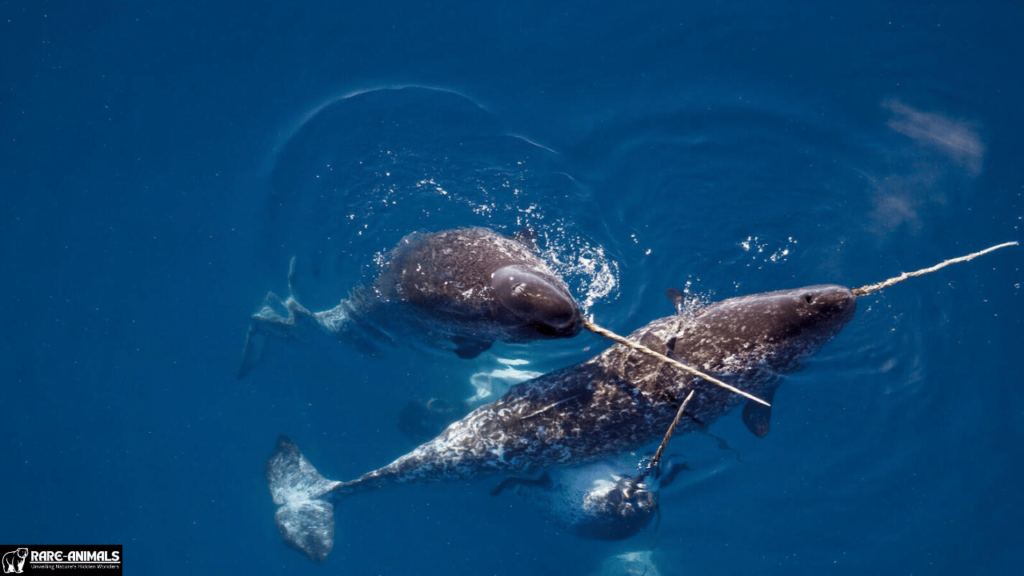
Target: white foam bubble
x,y
585,267
763,251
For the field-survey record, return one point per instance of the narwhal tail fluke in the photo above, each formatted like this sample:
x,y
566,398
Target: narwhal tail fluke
x,y
305,510
280,319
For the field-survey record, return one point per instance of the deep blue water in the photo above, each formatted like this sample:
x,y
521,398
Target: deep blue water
x,y
161,162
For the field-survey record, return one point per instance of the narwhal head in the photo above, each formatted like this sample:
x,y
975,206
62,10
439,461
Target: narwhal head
x,y
539,303
778,330
615,510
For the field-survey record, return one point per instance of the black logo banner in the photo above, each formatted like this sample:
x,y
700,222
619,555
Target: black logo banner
x,y
69,559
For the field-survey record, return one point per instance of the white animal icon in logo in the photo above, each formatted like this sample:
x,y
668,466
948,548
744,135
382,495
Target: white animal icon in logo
x,y
14,561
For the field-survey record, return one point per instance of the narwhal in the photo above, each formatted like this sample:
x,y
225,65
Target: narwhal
x,y
469,287
616,402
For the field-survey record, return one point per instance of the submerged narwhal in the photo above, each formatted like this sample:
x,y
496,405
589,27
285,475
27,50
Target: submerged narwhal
x,y
468,286
616,402
603,500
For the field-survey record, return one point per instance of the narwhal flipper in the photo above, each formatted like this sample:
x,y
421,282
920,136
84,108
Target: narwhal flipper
x,y
283,319
305,513
677,297
758,417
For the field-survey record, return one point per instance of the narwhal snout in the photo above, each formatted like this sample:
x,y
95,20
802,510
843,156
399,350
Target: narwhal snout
x,y
562,319
832,300
538,301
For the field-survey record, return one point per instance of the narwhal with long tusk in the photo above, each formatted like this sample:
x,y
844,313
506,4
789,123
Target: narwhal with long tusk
x,y
618,401
470,286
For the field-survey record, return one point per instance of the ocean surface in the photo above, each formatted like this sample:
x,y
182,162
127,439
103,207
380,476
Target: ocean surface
x,y
162,162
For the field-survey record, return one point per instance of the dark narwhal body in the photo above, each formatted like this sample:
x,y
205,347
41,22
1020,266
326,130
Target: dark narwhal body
x,y
480,284
469,286
615,402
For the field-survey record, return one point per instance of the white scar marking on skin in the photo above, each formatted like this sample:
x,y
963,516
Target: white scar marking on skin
x,y
549,407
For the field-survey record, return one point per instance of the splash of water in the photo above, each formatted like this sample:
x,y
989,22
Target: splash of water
x,y
584,265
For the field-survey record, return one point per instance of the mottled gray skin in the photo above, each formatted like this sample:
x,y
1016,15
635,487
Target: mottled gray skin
x,y
463,289
616,402
480,284
622,400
